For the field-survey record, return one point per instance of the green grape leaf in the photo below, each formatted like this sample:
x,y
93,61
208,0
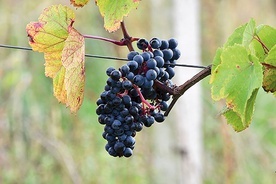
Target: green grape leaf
x,y
79,3
233,116
249,32
235,79
216,60
114,11
242,35
267,36
63,49
269,82
236,37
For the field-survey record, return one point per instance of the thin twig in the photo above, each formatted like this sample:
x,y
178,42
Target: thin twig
x,y
180,90
119,43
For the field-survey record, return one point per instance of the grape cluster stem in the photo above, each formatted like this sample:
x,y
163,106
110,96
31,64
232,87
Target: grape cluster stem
x,y
144,101
125,41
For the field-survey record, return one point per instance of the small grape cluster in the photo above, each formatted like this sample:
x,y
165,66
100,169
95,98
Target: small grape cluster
x,y
131,99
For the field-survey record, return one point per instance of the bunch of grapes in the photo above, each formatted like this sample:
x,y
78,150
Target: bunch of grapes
x,y
131,100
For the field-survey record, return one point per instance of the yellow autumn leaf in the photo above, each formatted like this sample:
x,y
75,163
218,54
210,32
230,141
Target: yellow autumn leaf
x,y
73,60
63,49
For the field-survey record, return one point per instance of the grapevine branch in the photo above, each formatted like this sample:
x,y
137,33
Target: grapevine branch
x,y
180,90
127,39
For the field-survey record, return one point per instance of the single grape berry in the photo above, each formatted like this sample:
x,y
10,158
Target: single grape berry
x,y
170,71
128,152
125,70
109,70
148,84
151,63
158,53
129,141
159,117
142,44
172,43
139,59
138,80
155,43
146,56
159,61
164,44
133,65
168,54
116,124
130,76
131,55
115,75
119,147
127,85
176,54
151,74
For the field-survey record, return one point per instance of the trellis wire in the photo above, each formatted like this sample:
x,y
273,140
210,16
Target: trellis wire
x,y
99,57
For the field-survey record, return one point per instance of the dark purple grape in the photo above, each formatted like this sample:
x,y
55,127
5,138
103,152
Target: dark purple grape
x,y
155,43
159,61
128,152
172,43
138,80
131,55
127,85
151,74
142,44
115,75
151,63
133,65
109,70
139,59
164,44
168,54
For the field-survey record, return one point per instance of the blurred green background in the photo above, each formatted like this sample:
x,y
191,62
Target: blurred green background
x,y
42,142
